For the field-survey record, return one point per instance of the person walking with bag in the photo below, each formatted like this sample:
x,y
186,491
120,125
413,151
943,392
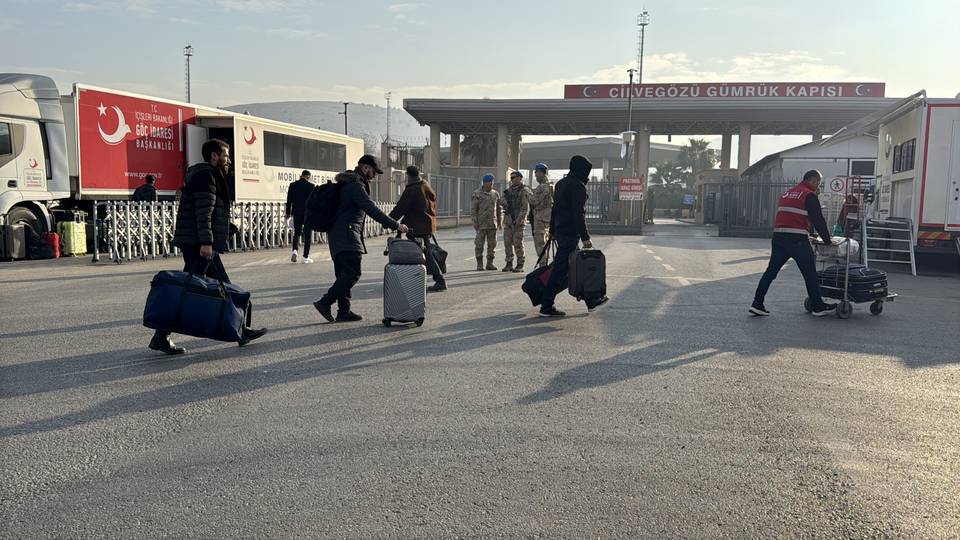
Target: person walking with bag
x,y
568,227
203,228
417,209
346,237
296,206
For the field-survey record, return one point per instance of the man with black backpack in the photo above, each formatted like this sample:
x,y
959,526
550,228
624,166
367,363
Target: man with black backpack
x,y
340,210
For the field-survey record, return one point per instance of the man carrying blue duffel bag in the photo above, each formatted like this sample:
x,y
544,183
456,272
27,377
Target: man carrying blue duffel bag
x,y
200,301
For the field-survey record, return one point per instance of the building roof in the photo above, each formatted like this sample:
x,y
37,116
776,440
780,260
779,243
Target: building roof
x,y
766,116
753,169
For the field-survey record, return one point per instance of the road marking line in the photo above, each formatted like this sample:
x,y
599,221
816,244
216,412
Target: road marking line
x,y
684,281
669,268
658,259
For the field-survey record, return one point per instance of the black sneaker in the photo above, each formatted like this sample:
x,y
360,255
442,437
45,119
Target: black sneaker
x,y
163,344
324,310
250,335
824,310
348,317
593,305
552,312
437,287
759,310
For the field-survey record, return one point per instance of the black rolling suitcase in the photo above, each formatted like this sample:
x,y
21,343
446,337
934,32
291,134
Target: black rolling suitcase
x,y
865,285
588,274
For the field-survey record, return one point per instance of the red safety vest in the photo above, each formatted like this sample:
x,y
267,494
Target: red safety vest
x,y
792,211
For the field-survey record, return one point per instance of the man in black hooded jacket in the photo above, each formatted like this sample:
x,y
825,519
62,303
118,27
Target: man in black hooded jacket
x,y
568,226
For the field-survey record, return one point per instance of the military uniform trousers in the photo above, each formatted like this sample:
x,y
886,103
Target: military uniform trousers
x,y
540,230
513,242
488,237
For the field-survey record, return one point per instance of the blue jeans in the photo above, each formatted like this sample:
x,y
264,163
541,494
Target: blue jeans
x,y
561,269
800,251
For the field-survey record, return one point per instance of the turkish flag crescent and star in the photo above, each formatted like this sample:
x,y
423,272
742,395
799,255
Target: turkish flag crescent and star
x,y
125,138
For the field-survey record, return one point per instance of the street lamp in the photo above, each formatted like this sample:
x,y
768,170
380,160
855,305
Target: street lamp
x,y
187,53
642,21
388,96
344,113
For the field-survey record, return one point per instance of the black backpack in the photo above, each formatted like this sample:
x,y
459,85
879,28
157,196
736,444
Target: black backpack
x,y
322,207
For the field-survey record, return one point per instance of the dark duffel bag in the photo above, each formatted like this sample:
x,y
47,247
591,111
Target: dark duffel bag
x,y
438,253
588,274
194,305
865,284
402,251
535,284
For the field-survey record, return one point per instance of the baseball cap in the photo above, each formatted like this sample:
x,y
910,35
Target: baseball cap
x,y
367,159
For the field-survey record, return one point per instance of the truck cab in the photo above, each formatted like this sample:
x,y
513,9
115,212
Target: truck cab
x,y
33,154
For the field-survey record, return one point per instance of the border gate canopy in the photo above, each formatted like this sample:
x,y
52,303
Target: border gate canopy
x,y
693,109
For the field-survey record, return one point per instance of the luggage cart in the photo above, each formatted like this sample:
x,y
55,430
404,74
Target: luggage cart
x,y
839,253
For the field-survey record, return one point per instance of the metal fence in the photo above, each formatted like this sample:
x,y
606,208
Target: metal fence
x,y
748,209
140,230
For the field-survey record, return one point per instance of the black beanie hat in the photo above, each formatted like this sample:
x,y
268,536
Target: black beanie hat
x,y
413,171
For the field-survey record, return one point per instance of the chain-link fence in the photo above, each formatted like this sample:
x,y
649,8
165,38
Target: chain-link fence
x,y
141,230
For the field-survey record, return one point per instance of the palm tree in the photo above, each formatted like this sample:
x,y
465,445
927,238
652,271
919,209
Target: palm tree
x,y
696,156
480,148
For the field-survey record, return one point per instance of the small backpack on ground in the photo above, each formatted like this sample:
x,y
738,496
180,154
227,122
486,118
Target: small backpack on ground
x,y
322,204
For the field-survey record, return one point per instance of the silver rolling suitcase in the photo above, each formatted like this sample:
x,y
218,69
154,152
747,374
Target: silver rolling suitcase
x,y
404,293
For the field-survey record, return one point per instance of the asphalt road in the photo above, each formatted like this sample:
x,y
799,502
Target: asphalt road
x,y
669,413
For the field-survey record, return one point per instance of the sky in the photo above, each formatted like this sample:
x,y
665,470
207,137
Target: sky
x,y
276,50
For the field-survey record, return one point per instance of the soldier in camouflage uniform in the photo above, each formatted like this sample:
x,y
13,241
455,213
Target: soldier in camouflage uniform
x,y
517,202
486,213
541,206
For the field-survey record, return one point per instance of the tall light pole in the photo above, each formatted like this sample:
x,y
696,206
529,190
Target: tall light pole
x,y
642,21
187,53
628,142
344,113
388,96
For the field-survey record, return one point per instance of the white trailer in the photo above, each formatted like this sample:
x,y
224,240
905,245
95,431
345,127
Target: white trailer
x,y
918,167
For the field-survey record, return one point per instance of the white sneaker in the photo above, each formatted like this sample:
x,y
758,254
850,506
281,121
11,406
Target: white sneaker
x,y
293,256
307,260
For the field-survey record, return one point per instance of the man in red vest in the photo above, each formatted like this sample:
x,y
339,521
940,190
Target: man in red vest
x,y
798,210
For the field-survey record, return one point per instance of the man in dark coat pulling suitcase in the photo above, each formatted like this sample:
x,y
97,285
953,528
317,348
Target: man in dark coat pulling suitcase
x,y
203,228
568,227
346,237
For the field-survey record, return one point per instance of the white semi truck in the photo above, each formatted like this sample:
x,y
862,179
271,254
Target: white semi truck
x,y
61,153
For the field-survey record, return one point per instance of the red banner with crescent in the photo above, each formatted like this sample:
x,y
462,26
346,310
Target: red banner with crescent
x,y
125,138
725,90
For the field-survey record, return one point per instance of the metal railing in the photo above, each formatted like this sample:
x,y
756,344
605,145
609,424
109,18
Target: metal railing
x,y
144,230
748,209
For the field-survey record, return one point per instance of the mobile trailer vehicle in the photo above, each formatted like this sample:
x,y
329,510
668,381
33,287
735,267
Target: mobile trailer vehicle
x,y
61,153
918,168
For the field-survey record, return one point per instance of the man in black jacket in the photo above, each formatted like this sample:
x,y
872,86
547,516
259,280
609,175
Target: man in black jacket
x,y
568,226
203,228
146,192
297,195
345,238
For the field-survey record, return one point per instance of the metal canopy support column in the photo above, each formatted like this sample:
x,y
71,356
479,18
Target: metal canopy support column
x,y
743,150
502,150
433,163
726,141
454,149
514,161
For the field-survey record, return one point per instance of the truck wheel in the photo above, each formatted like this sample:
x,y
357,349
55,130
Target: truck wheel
x,y
876,308
20,215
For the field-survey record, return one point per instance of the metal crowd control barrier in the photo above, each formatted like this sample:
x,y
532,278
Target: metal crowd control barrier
x,y
140,230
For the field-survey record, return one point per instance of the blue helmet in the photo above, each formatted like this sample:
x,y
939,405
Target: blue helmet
x,y
487,178
540,167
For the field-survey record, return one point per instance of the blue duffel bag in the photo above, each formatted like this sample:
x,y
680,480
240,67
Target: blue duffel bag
x,y
194,305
